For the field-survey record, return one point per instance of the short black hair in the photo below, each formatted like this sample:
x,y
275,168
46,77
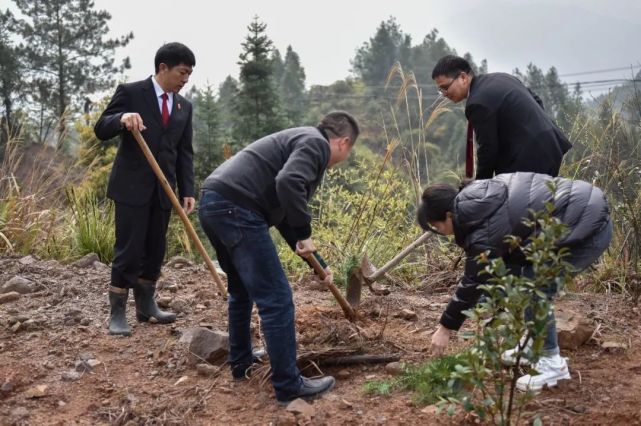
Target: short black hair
x,y
436,201
174,54
451,66
341,124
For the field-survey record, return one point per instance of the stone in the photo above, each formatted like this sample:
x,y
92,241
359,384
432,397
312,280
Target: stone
x,y
27,260
18,284
71,376
86,356
36,391
187,335
394,368
431,410
286,419
179,262
572,328
299,406
407,314
86,261
178,305
207,370
210,345
206,294
11,296
19,413
164,301
7,387
343,374
345,404
101,267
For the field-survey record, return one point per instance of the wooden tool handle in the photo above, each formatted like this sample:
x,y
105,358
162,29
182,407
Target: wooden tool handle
x,y
347,309
407,250
174,201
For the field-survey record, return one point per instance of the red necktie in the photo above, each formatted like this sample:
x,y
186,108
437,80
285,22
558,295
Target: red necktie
x,y
469,152
165,110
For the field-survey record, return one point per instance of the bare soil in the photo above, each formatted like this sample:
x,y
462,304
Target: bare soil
x,y
150,378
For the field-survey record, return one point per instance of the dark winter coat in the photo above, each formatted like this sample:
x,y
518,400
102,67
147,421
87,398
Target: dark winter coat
x,y
488,210
513,132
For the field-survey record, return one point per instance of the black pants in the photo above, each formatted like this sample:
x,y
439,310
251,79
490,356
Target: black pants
x,y
141,241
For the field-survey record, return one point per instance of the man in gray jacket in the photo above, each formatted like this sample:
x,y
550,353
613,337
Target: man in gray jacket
x,y
269,183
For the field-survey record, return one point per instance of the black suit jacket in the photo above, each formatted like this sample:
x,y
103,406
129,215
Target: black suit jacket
x,y
513,132
132,181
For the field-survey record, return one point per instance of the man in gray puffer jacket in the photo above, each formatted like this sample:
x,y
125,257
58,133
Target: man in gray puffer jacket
x,y
483,213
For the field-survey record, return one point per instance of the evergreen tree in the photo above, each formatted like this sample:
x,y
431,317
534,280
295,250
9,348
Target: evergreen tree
x,y
258,108
65,50
207,141
10,80
278,65
292,87
374,60
227,96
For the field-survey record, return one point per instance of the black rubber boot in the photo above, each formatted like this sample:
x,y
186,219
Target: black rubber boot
x,y
118,316
146,307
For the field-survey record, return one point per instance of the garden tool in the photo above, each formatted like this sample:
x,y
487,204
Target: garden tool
x,y
349,312
183,216
367,274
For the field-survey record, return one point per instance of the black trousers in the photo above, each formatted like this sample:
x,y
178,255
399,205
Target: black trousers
x,y
141,242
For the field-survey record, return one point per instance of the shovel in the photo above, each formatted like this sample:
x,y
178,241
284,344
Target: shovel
x,y
367,274
174,201
349,312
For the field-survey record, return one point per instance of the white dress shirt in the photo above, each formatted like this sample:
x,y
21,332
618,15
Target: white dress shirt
x,y
159,92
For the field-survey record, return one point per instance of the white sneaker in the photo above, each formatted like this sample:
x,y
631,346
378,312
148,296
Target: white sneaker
x,y
551,369
508,358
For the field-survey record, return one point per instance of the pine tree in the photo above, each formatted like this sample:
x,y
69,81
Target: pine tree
x,y
375,58
258,108
10,81
65,50
292,87
227,96
208,140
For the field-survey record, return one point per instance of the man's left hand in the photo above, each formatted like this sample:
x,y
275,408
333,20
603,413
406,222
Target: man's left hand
x,y
188,204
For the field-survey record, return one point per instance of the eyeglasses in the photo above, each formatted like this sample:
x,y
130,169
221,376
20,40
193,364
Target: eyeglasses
x,y
443,89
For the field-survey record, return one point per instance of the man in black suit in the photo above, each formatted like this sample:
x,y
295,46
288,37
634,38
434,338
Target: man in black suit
x,y
154,107
513,132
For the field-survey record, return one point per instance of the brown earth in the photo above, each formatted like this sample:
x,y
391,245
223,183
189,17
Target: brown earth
x,y
151,379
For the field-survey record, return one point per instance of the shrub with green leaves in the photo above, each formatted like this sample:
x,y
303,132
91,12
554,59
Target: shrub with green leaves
x,y
431,381
499,322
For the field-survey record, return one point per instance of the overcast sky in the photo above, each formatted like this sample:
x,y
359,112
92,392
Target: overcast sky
x,y
573,35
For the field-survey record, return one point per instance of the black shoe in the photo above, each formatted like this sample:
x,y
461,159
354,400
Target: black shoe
x,y
146,307
310,389
244,371
118,316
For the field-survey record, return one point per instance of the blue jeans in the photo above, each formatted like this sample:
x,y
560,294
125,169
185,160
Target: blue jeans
x,y
581,256
247,254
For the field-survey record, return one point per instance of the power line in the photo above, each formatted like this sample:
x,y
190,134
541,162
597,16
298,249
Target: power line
x,y
629,67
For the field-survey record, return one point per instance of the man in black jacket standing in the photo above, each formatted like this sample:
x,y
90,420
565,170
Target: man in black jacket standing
x,y
154,107
513,132
269,183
